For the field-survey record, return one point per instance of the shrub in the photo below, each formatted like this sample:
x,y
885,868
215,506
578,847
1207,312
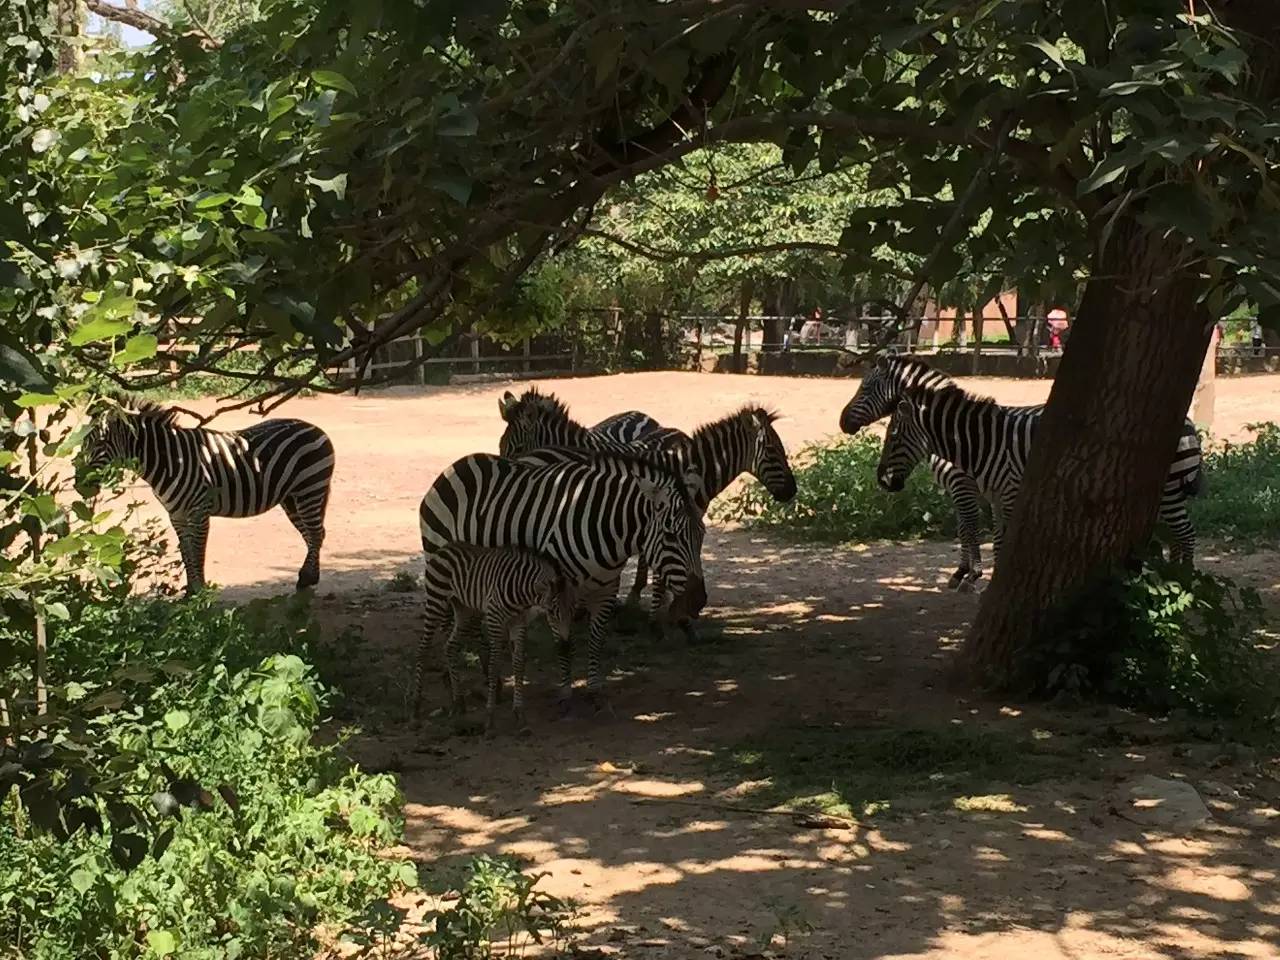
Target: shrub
x,y
838,498
1162,637
1241,499
288,839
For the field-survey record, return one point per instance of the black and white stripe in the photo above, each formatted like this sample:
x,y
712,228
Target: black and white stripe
x,y
992,444
588,518
883,384
536,420
505,589
626,427
718,453
198,473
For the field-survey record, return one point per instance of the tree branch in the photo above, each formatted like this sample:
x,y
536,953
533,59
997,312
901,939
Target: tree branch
x,y
141,20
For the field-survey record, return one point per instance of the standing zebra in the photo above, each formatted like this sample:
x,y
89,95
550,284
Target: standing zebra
x,y
992,444
198,473
506,589
742,442
882,386
536,419
588,518
626,427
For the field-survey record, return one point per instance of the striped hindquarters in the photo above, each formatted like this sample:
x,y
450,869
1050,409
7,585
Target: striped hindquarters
x,y
252,470
480,579
586,520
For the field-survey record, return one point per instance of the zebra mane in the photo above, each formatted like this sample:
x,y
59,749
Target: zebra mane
x,y
948,390
751,410
920,374
141,407
653,459
547,404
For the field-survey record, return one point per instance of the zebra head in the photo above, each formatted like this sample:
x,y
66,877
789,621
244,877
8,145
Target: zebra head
x,y
769,462
672,540
905,445
882,386
557,599
535,420
116,433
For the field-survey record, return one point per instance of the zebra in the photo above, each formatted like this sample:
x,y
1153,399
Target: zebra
x,y
744,441
992,443
506,588
626,427
882,386
536,419
198,473
588,518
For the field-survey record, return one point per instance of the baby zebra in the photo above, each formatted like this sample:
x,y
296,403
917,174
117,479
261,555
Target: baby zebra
x,y
506,587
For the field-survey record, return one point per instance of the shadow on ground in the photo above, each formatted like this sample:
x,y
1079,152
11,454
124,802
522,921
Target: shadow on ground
x,y
981,828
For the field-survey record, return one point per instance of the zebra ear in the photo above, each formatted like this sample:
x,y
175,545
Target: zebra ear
x,y
692,482
505,403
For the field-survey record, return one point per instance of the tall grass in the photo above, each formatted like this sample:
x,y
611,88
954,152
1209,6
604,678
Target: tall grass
x,y
1241,496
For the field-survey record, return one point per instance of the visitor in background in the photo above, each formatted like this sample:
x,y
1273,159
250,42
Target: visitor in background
x,y
1057,318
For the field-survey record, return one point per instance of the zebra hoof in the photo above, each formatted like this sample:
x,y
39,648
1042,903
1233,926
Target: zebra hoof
x,y
307,580
958,581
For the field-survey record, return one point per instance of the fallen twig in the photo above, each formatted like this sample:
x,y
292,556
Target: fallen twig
x,y
801,818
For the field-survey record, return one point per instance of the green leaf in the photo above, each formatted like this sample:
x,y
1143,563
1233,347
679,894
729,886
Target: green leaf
x,y
336,185
461,123
20,367
44,508
333,80
1048,49
141,347
82,880
109,317
1124,88
162,943
1111,169
37,399
456,185
209,201
177,720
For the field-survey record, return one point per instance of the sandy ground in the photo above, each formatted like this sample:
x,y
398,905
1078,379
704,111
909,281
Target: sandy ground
x,y
800,639
391,444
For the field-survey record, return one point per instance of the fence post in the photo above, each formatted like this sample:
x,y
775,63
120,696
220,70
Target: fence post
x,y
526,355
419,374
977,339
699,353
475,350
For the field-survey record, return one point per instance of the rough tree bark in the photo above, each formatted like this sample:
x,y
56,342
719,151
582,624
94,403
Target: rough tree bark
x,y
1103,447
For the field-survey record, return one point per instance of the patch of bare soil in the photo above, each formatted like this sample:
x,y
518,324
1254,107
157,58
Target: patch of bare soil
x,y
633,813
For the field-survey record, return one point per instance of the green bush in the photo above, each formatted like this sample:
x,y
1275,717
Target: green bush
x,y
1162,637
838,499
1241,496
288,839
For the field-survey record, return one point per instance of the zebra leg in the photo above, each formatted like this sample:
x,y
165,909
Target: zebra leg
x,y
964,495
307,517
457,702
642,578
658,609
193,536
433,619
1173,513
496,630
517,675
602,609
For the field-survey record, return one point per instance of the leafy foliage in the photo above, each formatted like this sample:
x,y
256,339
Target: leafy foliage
x,y
1162,637
1241,500
497,902
288,838
838,499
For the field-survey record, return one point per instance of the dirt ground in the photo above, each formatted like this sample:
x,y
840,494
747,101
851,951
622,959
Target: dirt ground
x,y
636,813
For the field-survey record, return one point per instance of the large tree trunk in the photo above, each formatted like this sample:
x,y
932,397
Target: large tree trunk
x,y
1103,447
